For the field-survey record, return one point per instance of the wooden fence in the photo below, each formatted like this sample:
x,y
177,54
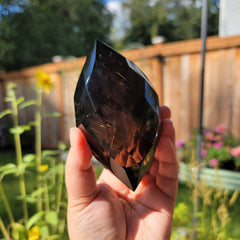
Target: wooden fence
x,y
173,69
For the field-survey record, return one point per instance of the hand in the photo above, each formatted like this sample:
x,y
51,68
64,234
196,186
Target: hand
x,y
107,209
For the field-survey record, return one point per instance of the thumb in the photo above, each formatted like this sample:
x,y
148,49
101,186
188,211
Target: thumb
x,y
79,174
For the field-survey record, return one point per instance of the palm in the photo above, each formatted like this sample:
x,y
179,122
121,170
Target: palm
x,y
112,211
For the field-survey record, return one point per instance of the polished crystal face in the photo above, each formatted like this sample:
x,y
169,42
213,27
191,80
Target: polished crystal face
x,y
118,112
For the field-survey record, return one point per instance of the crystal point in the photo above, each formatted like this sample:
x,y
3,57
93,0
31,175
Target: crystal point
x,y
118,111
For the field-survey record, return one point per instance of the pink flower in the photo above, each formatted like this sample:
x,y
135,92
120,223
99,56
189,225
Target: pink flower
x,y
213,162
217,145
220,128
204,153
235,152
209,136
180,144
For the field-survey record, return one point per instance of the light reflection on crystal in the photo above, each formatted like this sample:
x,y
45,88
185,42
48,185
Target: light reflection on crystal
x,y
118,112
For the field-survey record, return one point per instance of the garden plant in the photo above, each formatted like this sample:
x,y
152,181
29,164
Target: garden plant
x,y
220,150
44,205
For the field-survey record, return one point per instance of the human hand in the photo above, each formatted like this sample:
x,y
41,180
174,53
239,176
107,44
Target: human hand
x,y
107,209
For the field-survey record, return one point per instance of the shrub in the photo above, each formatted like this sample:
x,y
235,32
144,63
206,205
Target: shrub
x,y
219,148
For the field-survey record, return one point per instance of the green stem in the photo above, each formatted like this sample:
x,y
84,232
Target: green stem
x,y
18,149
47,208
203,219
59,187
38,146
53,180
6,204
61,226
214,214
4,230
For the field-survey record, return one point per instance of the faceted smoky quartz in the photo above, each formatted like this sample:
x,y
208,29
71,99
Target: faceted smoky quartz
x,y
118,112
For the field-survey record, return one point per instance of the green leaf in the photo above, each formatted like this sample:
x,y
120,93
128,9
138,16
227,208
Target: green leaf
x,y
27,104
5,112
18,231
44,231
31,200
9,169
34,219
52,218
15,171
19,129
16,130
53,114
29,158
47,153
37,192
26,127
20,100
27,165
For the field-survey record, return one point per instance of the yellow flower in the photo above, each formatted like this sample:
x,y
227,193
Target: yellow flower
x,y
44,168
34,233
43,80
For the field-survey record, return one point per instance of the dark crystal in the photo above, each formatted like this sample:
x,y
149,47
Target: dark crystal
x,y
118,112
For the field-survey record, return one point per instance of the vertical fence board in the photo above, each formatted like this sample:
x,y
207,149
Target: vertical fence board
x,y
225,86
236,95
171,89
218,87
184,101
194,91
211,109
156,77
69,81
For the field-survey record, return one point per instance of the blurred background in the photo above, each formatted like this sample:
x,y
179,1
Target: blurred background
x,y
33,32
63,32
43,47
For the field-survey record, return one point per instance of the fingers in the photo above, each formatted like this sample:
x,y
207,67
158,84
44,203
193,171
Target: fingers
x,y
165,151
80,175
169,170
167,137
164,168
165,112
167,175
168,130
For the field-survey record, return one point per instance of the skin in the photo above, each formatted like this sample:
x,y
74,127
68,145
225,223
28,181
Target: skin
x,y
107,209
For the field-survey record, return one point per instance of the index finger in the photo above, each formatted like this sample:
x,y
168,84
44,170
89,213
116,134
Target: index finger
x,y
165,112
